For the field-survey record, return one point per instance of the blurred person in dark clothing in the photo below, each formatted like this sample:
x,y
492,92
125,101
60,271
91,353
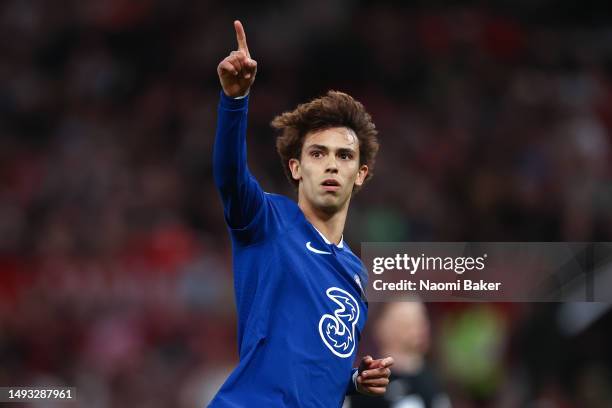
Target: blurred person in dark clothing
x,y
402,331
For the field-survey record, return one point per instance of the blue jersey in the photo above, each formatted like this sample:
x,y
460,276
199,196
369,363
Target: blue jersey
x,y
300,302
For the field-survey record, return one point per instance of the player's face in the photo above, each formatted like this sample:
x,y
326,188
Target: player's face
x,y
328,168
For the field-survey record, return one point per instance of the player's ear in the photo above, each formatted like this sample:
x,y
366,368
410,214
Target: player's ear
x,y
296,171
361,175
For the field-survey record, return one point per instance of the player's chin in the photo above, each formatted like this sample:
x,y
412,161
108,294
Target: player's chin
x,y
330,204
339,196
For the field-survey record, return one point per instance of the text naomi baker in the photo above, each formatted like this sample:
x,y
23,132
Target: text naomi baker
x,y
428,285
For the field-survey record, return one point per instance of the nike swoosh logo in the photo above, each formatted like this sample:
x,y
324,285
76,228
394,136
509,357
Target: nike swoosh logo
x,y
315,250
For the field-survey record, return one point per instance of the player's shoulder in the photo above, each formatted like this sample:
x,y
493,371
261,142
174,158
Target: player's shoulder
x,y
276,215
349,252
278,198
281,202
355,262
283,212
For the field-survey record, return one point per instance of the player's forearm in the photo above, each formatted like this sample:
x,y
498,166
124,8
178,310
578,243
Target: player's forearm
x,y
229,156
242,197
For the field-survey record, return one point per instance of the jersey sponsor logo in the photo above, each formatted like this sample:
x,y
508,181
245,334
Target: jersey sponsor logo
x,y
315,250
337,330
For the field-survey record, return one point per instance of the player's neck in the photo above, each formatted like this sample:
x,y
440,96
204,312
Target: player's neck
x,y
331,225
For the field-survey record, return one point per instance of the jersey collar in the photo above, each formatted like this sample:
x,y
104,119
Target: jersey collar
x,y
327,241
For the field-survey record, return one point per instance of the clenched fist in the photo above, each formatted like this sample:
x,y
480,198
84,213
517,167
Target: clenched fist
x,y
374,375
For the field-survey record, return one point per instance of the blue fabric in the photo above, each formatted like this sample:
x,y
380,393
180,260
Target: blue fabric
x,y
351,389
300,303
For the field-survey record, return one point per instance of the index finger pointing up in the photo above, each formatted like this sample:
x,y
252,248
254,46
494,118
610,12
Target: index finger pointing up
x,y
241,37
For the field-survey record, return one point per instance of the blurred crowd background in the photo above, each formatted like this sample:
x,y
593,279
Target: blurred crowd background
x,y
495,122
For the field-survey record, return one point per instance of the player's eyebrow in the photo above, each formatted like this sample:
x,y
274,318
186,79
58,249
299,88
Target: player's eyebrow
x,y
317,147
346,150
326,149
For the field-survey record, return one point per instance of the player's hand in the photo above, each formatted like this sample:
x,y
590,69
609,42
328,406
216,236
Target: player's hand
x,y
373,376
237,70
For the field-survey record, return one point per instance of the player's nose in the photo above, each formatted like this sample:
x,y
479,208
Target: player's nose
x,y
331,169
331,165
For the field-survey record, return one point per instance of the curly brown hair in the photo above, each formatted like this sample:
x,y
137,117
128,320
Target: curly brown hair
x,y
334,109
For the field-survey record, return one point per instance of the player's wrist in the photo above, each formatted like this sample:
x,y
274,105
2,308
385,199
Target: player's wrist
x,y
233,103
243,96
231,92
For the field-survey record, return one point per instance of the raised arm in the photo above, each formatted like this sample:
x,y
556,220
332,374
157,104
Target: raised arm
x,y
242,197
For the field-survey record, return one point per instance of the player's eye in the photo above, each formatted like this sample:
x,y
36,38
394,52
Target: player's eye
x,y
346,156
316,154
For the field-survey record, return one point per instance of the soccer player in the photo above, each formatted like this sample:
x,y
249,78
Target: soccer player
x,y
298,287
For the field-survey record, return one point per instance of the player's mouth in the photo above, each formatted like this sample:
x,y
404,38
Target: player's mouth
x,y
330,185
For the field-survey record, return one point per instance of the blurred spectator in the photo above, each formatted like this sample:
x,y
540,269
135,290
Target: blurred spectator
x,y
403,333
